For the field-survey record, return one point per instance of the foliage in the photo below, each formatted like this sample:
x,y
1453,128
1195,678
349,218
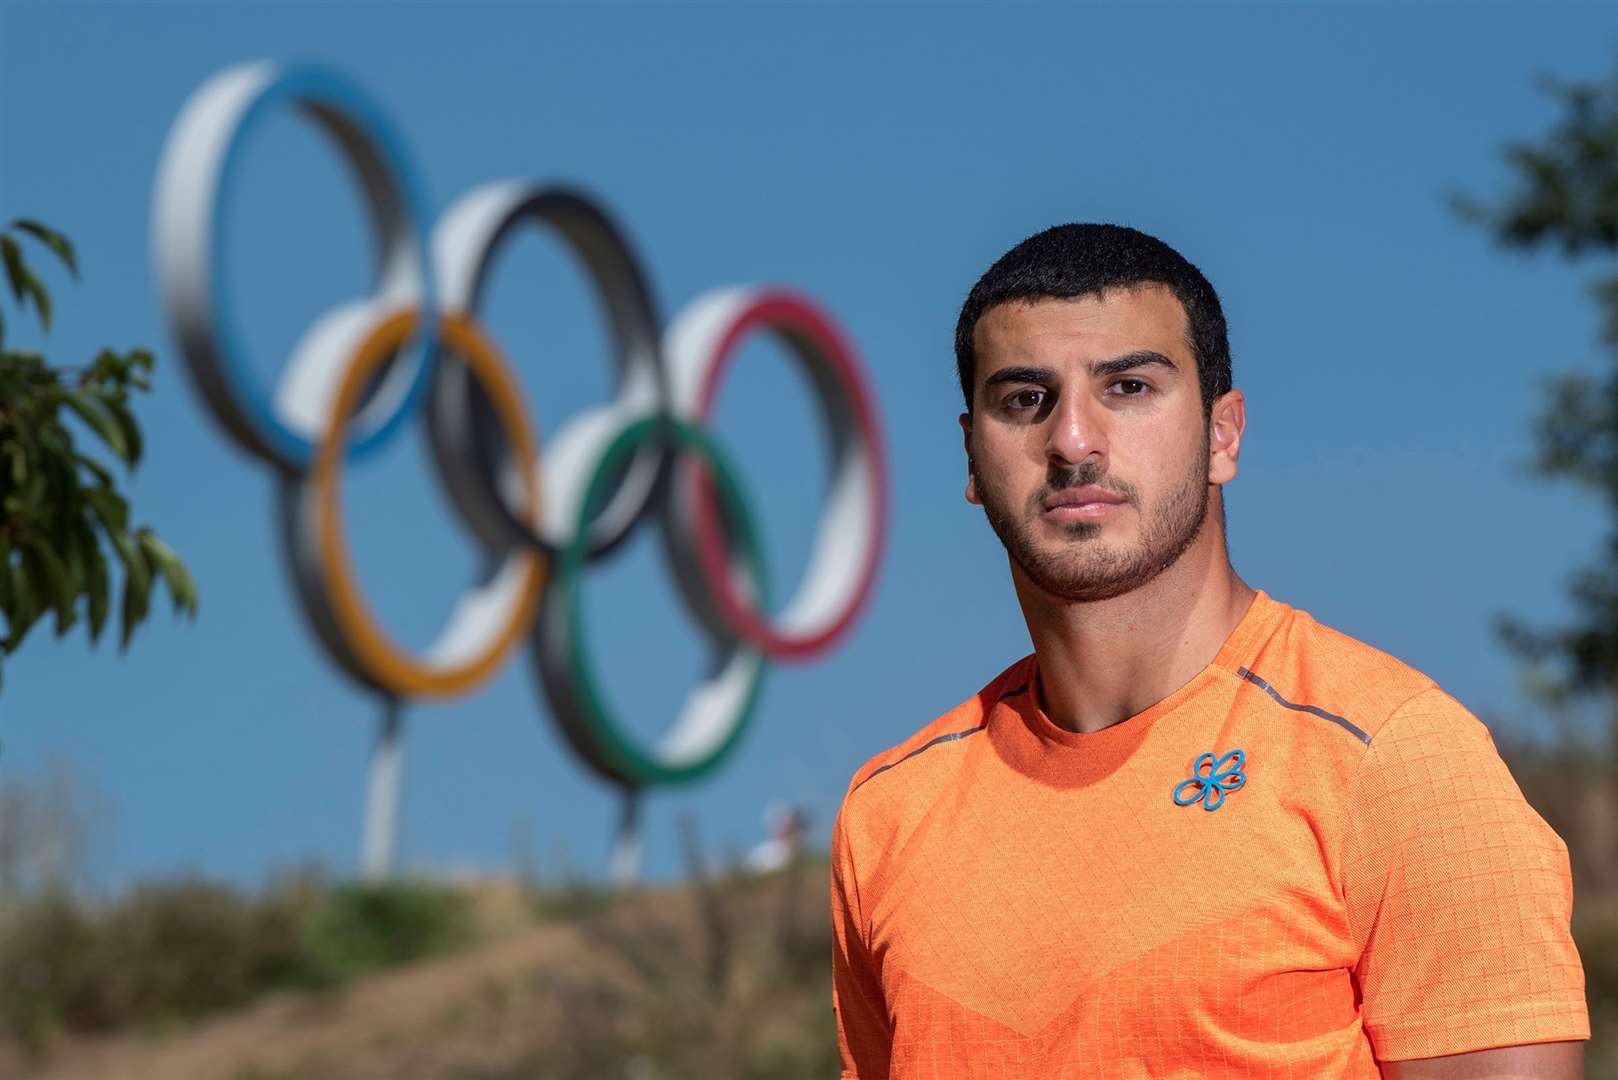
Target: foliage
x,y
737,984
48,969
366,926
1567,199
166,952
57,503
729,976
169,952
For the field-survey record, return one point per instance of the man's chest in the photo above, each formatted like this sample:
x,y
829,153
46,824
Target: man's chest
x,y
1115,908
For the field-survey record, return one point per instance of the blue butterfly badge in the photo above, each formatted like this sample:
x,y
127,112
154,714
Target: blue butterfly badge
x,y
1211,779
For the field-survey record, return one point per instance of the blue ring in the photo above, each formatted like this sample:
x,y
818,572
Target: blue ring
x,y
318,85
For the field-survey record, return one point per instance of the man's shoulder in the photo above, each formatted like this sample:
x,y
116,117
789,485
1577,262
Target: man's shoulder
x,y
960,722
1306,663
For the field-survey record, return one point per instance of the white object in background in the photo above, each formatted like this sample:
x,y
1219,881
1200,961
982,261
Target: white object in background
x,y
787,825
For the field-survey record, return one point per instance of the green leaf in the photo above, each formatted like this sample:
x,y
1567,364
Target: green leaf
x,y
49,582
96,587
111,509
99,417
23,282
53,240
181,585
5,574
137,583
42,299
25,609
11,255
98,470
130,429
137,594
19,464
82,550
129,554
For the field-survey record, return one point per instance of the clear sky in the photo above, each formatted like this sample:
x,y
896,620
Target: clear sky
x,y
877,158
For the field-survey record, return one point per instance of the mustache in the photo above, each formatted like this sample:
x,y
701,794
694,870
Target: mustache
x,y
1087,474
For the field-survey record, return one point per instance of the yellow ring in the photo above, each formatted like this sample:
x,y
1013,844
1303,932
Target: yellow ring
x,y
394,668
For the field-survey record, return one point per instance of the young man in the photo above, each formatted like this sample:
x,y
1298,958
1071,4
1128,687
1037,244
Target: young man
x,y
1196,833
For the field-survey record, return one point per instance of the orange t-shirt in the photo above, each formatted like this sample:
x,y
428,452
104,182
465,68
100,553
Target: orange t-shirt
x,y
1014,900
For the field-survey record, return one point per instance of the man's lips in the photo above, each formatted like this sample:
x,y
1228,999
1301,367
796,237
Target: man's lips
x,y
1075,499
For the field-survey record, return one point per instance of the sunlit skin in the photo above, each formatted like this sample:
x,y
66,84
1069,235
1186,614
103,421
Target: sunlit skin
x,y
1102,392
1532,1061
1090,452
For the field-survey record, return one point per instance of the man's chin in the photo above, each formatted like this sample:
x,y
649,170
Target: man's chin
x,y
1077,589
1096,578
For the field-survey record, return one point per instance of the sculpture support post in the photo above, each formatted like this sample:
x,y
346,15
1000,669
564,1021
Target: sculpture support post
x,y
382,794
626,842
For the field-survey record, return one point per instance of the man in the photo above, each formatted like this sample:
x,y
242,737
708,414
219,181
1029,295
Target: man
x,y
1196,833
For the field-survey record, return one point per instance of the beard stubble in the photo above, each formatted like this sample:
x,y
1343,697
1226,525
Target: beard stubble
x,y
1084,569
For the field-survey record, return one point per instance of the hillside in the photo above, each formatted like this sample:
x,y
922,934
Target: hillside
x,y
726,979
723,979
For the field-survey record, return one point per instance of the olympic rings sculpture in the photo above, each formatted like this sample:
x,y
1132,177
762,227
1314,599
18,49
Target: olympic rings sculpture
x,y
414,345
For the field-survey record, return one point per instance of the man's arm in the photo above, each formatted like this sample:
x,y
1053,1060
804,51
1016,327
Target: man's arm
x,y
1536,1061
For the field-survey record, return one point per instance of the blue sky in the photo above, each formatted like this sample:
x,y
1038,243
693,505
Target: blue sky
x,y
877,158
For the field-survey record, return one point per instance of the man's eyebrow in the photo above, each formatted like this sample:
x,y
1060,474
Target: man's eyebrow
x,y
1101,369
1021,375
1130,361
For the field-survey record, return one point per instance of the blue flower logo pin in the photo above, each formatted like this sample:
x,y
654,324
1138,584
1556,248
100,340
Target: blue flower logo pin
x,y
1211,779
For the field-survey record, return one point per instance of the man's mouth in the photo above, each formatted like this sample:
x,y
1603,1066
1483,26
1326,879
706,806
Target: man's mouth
x,y
1081,503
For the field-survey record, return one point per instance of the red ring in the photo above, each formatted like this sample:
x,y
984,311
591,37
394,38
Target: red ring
x,y
783,311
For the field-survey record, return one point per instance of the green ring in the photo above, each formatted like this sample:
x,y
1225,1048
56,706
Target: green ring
x,y
607,746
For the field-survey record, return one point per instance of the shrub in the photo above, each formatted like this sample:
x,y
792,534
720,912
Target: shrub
x,y
362,927
48,971
169,952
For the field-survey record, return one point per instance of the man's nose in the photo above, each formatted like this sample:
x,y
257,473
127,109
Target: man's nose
x,y
1076,430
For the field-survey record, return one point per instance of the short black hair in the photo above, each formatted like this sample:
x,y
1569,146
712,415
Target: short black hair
x,y
1086,260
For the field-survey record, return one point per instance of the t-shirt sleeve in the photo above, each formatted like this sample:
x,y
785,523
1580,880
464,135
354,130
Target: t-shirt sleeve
x,y
864,1033
1458,894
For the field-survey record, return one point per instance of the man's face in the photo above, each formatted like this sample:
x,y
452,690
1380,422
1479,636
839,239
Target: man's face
x,y
1088,448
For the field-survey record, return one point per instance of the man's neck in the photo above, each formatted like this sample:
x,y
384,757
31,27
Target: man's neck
x,y
1104,661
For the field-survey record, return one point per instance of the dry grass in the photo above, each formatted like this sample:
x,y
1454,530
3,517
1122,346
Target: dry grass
x,y
724,979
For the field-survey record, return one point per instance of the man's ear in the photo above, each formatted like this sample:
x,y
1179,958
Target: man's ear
x,y
966,442
1225,426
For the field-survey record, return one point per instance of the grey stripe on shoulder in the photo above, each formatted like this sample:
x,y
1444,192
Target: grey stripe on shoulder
x,y
1310,709
930,743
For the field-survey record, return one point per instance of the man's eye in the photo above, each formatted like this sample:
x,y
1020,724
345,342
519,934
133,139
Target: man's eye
x,y
1131,387
1026,399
